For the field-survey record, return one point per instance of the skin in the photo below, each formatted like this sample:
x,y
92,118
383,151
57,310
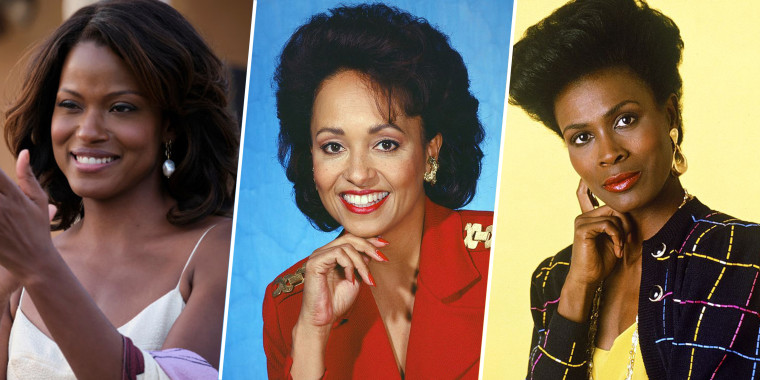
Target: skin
x,y
354,147
124,254
612,124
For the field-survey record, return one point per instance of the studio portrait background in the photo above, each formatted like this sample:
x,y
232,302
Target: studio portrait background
x,y
537,202
271,233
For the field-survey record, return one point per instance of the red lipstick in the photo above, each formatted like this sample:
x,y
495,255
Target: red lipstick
x,y
364,209
621,182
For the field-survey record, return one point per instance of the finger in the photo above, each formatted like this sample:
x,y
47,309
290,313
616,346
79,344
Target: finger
x,y
583,197
346,256
27,181
590,228
348,267
358,262
51,212
367,246
326,262
627,225
378,241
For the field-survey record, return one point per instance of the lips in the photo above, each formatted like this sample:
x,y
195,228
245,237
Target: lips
x,y
363,201
89,160
621,182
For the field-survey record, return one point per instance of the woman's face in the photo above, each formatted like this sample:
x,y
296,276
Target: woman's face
x,y
106,134
617,136
368,171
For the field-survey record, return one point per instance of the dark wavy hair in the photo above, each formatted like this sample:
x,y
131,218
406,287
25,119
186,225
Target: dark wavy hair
x,y
584,36
178,72
410,62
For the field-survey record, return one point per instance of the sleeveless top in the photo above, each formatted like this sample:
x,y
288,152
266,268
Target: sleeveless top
x,y
34,355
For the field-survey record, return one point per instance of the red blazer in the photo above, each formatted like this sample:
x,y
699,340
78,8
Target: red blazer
x,y
447,324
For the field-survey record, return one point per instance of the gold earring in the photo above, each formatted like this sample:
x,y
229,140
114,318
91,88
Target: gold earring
x,y
430,175
679,165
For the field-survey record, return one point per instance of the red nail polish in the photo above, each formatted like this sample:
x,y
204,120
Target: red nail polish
x,y
381,255
381,240
371,280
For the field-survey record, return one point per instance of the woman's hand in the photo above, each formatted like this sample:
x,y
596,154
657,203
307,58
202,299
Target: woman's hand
x,y
24,224
601,235
330,288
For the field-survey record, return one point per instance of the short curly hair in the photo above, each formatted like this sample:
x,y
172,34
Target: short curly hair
x,y
584,36
178,72
406,58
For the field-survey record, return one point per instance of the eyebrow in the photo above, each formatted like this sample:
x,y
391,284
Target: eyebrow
x,y
607,114
372,130
380,127
110,94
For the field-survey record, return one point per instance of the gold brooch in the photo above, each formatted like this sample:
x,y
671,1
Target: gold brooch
x,y
474,234
288,282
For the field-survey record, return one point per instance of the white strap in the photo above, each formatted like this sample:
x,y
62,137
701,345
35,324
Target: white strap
x,y
192,253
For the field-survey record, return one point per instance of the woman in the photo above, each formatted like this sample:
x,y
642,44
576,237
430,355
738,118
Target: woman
x,y
379,135
655,284
122,119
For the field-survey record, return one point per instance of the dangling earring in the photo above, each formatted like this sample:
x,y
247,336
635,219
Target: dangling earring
x,y
430,175
168,166
679,165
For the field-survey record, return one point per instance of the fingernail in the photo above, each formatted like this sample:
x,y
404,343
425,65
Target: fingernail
x,y
353,280
381,255
371,280
381,240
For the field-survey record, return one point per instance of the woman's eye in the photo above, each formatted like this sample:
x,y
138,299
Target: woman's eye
x,y
68,104
387,145
332,148
625,120
122,107
581,138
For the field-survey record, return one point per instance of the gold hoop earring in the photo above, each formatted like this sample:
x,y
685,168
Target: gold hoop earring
x,y
679,165
430,175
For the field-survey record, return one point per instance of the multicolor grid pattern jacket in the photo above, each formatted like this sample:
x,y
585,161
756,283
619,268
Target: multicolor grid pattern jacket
x,y
699,307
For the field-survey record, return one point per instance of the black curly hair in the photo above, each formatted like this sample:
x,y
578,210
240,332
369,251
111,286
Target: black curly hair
x,y
405,57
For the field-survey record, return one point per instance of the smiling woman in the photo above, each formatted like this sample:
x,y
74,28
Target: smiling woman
x,y
135,282
380,136
103,128
367,168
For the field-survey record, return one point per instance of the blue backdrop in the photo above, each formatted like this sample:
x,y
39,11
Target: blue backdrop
x,y
271,233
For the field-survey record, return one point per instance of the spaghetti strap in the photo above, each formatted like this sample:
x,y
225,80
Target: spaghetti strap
x,y
191,254
20,297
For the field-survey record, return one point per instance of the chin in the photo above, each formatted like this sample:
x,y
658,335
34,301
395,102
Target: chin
x,y
363,230
624,204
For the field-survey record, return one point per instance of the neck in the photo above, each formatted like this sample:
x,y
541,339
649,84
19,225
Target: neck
x,y
127,216
652,217
403,251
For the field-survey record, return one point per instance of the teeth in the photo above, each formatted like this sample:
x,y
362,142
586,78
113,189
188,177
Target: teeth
x,y
93,160
365,200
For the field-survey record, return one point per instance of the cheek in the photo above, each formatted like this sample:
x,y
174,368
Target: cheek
x,y
325,175
584,165
61,130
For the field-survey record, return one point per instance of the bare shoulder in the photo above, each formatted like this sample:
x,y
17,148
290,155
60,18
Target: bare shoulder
x,y
210,262
217,233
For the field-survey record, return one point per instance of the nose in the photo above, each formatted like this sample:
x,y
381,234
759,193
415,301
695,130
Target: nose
x,y
360,171
610,151
91,127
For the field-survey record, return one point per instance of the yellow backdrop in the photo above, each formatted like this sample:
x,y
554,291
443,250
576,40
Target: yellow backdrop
x,y
537,205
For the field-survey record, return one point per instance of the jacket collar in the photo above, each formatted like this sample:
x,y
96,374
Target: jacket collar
x,y
446,267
